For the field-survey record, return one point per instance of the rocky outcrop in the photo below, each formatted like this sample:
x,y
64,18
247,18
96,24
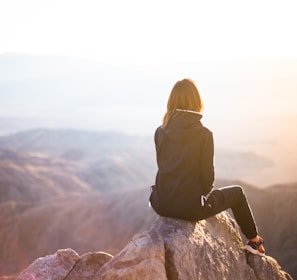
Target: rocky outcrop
x,y
66,264
55,266
171,249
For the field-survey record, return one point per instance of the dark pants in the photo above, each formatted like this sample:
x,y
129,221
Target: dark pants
x,y
232,197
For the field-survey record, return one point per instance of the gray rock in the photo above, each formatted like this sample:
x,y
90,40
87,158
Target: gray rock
x,y
267,268
52,267
143,258
172,249
88,265
210,249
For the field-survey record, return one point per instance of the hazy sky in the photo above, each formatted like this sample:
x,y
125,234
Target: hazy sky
x,y
150,31
157,31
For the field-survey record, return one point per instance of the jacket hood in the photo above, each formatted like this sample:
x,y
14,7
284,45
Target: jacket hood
x,y
183,126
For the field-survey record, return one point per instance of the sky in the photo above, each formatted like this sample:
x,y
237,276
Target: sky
x,y
152,31
159,32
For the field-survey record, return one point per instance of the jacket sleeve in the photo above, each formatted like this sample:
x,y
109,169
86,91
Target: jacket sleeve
x,y
157,135
207,175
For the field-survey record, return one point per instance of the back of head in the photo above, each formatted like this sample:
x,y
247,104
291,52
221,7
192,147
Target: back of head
x,y
185,96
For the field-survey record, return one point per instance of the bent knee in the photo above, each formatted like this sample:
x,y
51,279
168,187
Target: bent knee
x,y
236,190
240,192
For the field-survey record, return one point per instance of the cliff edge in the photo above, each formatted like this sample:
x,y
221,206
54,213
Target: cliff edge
x,y
172,249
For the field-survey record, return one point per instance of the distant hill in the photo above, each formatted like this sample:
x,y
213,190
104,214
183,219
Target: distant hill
x,y
110,160
85,222
284,187
65,142
113,158
89,191
32,177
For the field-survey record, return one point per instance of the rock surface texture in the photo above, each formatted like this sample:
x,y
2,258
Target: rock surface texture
x,y
172,249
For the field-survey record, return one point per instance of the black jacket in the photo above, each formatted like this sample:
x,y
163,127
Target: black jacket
x,y
185,152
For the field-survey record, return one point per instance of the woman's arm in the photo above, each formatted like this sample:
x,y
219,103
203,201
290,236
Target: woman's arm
x,y
207,175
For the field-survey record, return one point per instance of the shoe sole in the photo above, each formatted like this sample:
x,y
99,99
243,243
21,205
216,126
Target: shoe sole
x,y
253,251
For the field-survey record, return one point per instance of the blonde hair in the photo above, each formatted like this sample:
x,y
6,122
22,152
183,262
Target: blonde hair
x,y
184,95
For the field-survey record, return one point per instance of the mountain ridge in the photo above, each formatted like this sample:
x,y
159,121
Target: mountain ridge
x,y
115,200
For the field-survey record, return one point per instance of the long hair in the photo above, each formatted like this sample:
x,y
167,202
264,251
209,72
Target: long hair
x,y
184,95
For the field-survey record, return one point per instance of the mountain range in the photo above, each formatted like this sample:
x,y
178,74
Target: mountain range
x,y
89,191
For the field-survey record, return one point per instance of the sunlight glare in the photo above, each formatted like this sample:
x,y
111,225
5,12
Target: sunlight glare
x,y
149,31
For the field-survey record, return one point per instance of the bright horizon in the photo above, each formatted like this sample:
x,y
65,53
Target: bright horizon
x,y
149,31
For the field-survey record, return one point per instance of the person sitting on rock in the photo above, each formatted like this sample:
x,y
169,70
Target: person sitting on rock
x,y
185,157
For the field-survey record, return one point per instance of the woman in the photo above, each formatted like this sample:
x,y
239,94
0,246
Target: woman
x,y
184,181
